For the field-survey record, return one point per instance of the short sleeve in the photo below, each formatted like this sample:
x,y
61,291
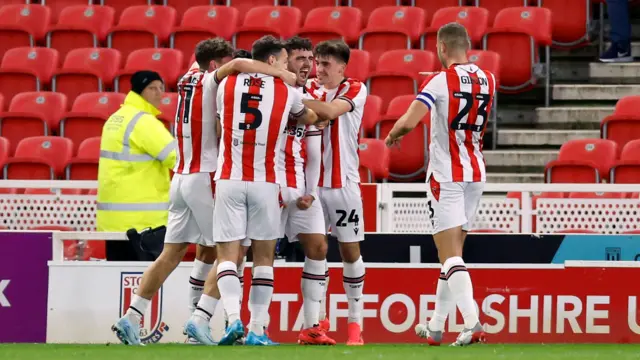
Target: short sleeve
x,y
297,107
355,93
432,88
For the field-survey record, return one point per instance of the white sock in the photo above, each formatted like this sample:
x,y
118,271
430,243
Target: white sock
x,y
323,299
198,276
260,297
313,279
461,288
137,308
444,302
229,286
353,281
205,309
241,277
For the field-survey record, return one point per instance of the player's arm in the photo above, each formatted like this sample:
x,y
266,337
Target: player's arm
x,y
252,66
350,98
313,139
151,135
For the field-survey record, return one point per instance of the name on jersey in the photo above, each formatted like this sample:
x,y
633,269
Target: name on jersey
x,y
469,80
254,82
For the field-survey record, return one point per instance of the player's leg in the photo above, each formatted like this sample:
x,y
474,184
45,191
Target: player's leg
x,y
346,220
202,265
263,228
180,231
324,321
229,228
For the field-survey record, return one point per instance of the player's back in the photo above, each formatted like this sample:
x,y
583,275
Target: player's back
x,y
253,110
195,127
460,100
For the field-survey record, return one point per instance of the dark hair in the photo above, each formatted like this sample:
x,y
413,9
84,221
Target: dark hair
x,y
298,43
241,54
334,48
265,47
212,49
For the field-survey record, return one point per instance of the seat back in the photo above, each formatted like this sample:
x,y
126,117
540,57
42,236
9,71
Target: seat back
x,y
102,104
375,156
359,65
370,115
182,6
42,62
167,62
407,61
627,106
604,152
33,19
80,26
53,149
156,19
495,6
89,149
49,105
368,7
244,6
222,20
168,107
4,151
87,70
486,60
345,20
120,5
399,105
631,151
307,6
570,31
58,6
283,19
474,19
407,161
431,6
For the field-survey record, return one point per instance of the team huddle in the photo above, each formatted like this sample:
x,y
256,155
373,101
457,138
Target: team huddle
x,y
265,152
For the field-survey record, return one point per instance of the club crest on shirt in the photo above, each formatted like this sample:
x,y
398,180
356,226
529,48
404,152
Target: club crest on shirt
x,y
152,328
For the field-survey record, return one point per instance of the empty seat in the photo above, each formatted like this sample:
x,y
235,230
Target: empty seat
x,y
307,6
486,60
279,21
369,6
39,158
183,6
516,35
358,66
391,27
88,115
474,19
120,5
582,161
374,158
166,62
58,6
142,27
202,22
431,6
327,23
397,73
82,26
84,166
27,69
495,6
570,31
627,105
32,114
4,151
168,107
87,70
22,25
627,169
624,124
244,6
370,115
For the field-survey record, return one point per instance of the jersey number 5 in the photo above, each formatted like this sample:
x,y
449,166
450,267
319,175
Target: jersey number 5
x,y
251,108
468,103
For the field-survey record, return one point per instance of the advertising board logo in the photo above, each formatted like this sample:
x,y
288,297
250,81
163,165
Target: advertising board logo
x,y
152,328
613,253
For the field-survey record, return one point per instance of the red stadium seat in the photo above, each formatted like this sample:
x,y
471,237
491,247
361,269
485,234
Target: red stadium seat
x,y
358,66
475,20
27,69
142,27
244,6
5,146
431,6
327,23
627,169
22,25
87,70
120,5
624,124
370,115
58,6
627,105
1,103
13,2
83,26
279,21
88,115
597,195
168,107
369,6
515,34
182,6
399,105
570,31
494,6
84,166
307,6
166,62
32,114
39,158
202,22
397,73
582,161
486,60
374,160
391,27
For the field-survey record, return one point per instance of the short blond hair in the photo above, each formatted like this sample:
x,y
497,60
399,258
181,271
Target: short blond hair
x,y
455,37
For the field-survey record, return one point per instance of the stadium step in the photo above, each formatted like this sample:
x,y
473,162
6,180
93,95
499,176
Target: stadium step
x,y
527,137
593,92
520,158
615,71
509,178
590,51
573,117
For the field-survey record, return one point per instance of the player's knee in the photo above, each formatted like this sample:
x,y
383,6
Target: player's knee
x,y
350,252
315,247
206,254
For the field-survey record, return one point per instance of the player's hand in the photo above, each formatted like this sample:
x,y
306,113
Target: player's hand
x,y
304,202
321,124
391,142
289,77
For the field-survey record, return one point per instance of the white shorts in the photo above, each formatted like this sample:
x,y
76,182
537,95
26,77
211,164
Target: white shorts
x,y
453,204
343,212
294,221
246,209
190,210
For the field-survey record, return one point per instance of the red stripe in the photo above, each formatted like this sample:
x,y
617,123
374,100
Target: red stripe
x,y
336,166
492,88
453,83
289,163
321,179
227,125
196,128
249,137
280,97
471,119
179,131
155,313
354,89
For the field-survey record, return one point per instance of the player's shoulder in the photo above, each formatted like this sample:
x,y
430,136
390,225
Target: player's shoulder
x,y
355,84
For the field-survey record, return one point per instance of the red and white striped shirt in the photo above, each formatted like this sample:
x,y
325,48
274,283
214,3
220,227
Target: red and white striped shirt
x,y
340,139
291,167
462,96
253,109
195,123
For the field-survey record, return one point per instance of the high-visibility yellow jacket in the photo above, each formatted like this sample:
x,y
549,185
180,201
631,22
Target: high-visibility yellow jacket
x,y
136,153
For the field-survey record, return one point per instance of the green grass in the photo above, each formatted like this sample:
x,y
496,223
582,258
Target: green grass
x,y
294,352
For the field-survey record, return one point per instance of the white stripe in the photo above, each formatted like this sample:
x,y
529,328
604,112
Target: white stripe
x,y
236,133
262,132
477,136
